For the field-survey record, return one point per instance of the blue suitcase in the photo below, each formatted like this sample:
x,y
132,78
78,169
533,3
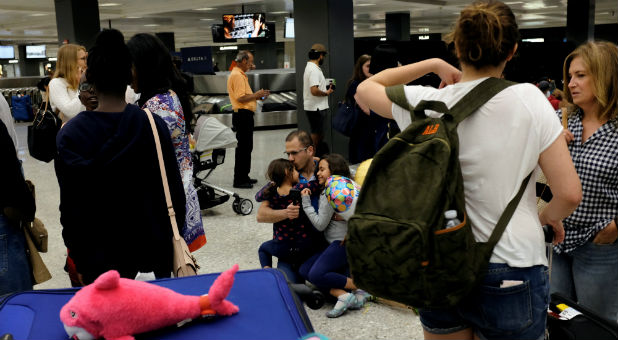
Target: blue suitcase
x,y
22,108
268,310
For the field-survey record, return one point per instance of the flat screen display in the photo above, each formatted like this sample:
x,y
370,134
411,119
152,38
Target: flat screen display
x,y
244,26
7,52
288,31
268,36
35,52
217,34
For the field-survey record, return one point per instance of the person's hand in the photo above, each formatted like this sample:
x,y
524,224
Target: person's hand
x,y
305,192
262,94
329,91
607,235
362,105
556,226
447,73
568,135
292,211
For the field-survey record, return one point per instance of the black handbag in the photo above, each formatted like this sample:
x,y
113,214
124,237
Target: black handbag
x,y
345,119
42,134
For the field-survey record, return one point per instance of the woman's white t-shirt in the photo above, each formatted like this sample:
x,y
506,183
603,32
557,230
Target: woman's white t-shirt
x,y
64,99
500,145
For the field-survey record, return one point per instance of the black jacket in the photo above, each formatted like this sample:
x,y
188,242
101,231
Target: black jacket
x,y
112,205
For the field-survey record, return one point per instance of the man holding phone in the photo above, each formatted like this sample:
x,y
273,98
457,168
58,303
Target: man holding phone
x,y
315,93
244,103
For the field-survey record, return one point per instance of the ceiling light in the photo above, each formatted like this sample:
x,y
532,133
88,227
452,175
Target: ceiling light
x,y
206,19
365,5
534,40
423,37
109,4
38,14
225,48
133,17
204,9
151,25
52,59
383,39
280,12
13,61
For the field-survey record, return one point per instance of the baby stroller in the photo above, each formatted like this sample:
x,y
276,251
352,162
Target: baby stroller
x,y
212,138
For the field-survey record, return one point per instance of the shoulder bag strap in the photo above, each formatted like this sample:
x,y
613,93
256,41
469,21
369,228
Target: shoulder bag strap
x,y
166,188
508,213
477,97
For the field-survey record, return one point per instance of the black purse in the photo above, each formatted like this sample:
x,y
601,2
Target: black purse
x,y
42,134
345,119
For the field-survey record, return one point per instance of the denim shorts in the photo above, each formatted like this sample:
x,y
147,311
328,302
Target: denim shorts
x,y
518,311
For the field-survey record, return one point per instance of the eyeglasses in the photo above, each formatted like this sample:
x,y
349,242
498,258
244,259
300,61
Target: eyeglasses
x,y
85,87
294,153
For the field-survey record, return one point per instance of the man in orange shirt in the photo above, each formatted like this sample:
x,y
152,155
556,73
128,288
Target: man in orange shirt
x,y
244,102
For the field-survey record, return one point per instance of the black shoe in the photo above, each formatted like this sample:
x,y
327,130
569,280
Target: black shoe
x,y
252,180
243,185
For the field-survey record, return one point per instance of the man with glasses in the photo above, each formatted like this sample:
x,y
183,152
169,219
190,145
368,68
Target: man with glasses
x,y
299,150
244,103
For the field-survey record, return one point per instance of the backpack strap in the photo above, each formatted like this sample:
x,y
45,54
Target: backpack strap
x,y
507,214
397,95
477,97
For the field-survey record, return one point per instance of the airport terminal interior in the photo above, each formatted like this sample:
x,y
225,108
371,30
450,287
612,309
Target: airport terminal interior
x,y
32,31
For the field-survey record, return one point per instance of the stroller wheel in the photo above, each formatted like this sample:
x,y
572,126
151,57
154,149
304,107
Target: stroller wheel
x,y
242,206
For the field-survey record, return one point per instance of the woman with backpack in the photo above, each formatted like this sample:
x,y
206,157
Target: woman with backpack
x,y
499,145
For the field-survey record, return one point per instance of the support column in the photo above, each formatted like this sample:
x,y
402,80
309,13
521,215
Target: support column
x,y
77,21
328,22
580,21
398,26
168,40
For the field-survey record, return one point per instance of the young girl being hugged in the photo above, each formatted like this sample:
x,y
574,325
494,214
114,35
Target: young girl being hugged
x,y
294,240
325,269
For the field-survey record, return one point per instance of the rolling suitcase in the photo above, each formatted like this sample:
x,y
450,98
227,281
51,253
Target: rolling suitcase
x,y
577,323
268,310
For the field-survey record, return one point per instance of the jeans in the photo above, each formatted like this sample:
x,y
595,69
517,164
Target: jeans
x,y
518,311
15,271
589,275
243,124
327,269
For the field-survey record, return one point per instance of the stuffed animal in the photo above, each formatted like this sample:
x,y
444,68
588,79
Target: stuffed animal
x,y
116,308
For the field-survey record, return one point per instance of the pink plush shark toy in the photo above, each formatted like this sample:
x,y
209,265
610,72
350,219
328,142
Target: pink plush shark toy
x,y
116,308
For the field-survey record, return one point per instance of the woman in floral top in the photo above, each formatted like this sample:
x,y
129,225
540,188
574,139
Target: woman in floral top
x,y
163,91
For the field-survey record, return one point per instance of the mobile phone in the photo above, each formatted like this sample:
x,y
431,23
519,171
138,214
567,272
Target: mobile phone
x,y
295,196
548,231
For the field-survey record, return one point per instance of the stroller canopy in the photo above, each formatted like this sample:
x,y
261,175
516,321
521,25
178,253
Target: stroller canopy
x,y
210,133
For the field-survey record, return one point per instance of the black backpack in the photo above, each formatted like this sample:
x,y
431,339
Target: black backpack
x,y
398,247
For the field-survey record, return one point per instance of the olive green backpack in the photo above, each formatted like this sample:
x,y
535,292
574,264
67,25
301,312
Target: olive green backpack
x,y
397,246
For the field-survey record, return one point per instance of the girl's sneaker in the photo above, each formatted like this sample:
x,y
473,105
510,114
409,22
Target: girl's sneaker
x,y
343,303
361,298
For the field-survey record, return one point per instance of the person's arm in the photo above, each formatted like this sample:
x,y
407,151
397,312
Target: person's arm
x,y
59,96
565,186
320,219
315,90
371,93
266,214
249,97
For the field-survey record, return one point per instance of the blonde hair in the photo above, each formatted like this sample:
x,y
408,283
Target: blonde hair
x,y
601,60
66,65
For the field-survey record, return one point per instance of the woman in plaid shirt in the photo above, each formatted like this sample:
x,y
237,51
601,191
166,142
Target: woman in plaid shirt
x,y
585,266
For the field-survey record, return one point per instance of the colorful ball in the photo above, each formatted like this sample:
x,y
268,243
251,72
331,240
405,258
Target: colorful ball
x,y
342,194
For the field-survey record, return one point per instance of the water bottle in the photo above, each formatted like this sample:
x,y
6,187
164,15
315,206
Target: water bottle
x,y
451,219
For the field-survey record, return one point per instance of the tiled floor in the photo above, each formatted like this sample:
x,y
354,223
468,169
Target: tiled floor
x,y
232,239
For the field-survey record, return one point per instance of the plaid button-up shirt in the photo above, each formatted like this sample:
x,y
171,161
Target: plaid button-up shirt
x,y
596,162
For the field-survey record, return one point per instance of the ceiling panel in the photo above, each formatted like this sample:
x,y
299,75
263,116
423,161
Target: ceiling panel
x,y
34,21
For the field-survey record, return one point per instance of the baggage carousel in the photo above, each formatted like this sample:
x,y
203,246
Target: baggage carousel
x,y
277,111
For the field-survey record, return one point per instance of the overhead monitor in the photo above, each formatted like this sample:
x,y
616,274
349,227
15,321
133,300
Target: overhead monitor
x,y
35,52
288,31
267,36
244,26
217,34
7,52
